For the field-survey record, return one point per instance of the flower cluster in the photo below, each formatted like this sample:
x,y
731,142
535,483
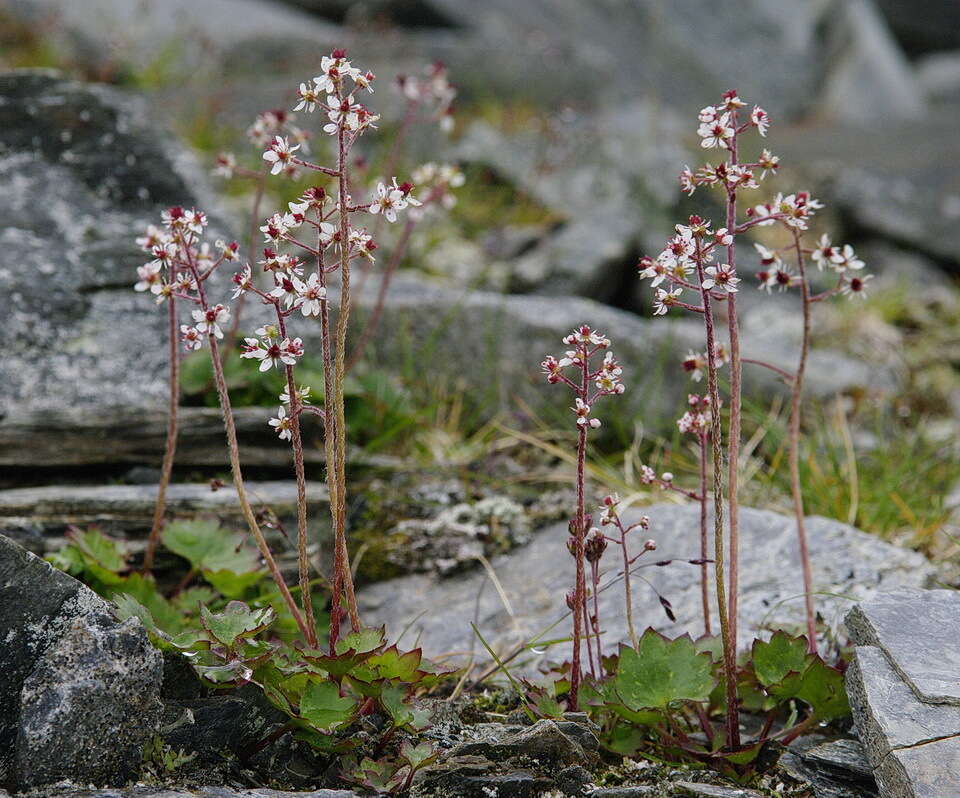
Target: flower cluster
x,y
590,383
180,263
267,129
696,420
330,92
433,89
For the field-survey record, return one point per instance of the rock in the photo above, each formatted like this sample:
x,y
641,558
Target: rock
x,y
536,577
904,195
82,171
939,76
543,745
923,26
906,715
573,780
894,621
870,78
624,792
609,176
78,690
71,790
127,510
834,769
695,790
209,726
456,537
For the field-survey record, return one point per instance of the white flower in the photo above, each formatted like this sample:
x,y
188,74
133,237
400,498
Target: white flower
x,y
856,287
687,183
149,275
582,411
154,237
271,352
760,120
311,292
716,133
309,96
722,276
388,200
280,154
282,424
302,393
191,337
695,364
768,163
209,320
243,281
286,289
225,166
664,300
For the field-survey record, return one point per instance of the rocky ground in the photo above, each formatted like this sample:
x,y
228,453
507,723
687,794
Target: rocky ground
x,y
572,149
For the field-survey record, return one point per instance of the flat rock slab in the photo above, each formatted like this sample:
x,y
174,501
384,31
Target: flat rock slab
x,y
71,790
78,689
919,630
903,693
128,509
848,565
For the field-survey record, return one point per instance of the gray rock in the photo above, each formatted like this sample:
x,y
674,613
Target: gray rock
x,y
68,789
887,712
610,176
624,792
939,75
870,78
536,577
894,621
906,195
904,708
128,509
695,790
543,745
923,25
78,690
924,771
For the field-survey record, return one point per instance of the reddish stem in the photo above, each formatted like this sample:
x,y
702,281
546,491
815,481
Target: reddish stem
x,y
171,444
704,538
795,398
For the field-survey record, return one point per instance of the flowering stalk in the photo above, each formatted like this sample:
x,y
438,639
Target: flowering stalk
x,y
180,269
170,447
611,516
588,385
690,252
348,119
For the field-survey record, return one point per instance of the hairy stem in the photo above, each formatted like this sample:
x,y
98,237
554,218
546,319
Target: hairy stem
x,y
704,538
296,444
171,444
627,594
580,581
733,442
343,579
234,449
729,645
795,398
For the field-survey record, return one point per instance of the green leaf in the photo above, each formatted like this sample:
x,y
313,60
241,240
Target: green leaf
x,y
209,547
361,641
820,687
144,589
779,656
324,708
231,584
237,620
418,756
662,671
391,664
129,607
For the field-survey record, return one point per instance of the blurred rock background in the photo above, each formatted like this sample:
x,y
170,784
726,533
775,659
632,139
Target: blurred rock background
x,y
573,119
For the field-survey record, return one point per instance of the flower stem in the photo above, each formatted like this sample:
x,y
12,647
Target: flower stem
x,y
704,538
627,594
795,398
171,444
580,582
296,444
729,646
343,579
